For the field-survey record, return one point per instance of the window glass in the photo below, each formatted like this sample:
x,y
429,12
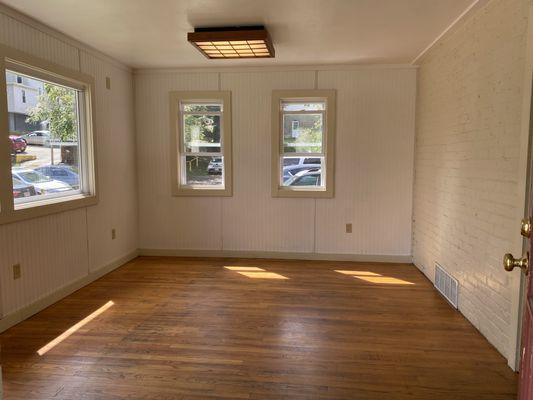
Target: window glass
x,y
307,138
202,160
203,170
302,169
302,106
201,133
303,135
44,132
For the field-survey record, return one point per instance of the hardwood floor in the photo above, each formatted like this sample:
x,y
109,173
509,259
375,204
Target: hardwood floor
x,y
175,328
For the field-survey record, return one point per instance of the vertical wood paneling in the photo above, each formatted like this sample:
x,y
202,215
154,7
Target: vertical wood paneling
x,y
375,118
54,250
30,40
253,220
117,206
373,164
168,222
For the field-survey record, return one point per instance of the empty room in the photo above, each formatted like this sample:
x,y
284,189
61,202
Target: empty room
x,y
250,199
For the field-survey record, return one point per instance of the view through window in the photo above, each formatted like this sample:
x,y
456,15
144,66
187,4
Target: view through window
x,y
44,132
303,150
202,159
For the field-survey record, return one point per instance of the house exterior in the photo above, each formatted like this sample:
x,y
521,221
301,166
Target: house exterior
x,y
23,94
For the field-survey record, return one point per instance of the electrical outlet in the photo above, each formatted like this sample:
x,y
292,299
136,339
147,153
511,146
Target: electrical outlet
x,y
113,234
17,273
348,228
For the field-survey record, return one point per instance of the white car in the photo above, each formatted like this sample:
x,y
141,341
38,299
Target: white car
x,y
42,183
215,166
41,138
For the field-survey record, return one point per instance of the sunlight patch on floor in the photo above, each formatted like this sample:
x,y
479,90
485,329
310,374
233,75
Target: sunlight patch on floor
x,y
255,272
373,277
49,346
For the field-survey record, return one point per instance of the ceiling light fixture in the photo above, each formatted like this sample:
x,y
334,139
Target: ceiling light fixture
x,y
236,42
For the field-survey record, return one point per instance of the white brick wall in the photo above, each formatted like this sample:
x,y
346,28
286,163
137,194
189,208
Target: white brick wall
x,y
467,160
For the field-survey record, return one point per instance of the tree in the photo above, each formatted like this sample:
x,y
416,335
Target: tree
x,y
198,126
56,106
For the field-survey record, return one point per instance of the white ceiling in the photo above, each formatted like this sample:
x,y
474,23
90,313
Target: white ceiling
x,y
153,33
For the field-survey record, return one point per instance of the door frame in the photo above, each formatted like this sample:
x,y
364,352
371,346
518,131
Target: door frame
x,y
519,244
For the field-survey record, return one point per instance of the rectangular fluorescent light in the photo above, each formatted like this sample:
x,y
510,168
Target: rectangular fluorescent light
x,y
239,42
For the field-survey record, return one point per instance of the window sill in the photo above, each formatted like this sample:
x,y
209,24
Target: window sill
x,y
303,193
179,191
42,208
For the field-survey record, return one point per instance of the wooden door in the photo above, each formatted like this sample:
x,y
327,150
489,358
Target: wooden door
x,y
526,363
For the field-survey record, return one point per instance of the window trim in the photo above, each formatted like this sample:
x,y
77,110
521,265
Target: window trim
x,y
327,95
23,63
176,142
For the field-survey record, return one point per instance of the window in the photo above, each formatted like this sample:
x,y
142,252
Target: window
x,y
303,126
201,143
50,165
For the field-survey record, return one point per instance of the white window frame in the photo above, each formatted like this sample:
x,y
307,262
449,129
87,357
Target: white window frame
x,y
328,143
17,61
178,188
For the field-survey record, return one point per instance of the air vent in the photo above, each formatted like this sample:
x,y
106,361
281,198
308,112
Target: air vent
x,y
447,285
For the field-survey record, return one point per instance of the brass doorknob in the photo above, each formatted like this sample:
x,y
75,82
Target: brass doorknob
x,y
510,263
525,228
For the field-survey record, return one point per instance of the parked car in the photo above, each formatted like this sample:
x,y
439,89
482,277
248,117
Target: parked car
x,y
291,170
215,166
21,189
300,160
18,144
42,183
63,173
310,177
41,138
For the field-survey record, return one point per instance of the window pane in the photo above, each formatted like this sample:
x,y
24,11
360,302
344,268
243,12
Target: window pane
x,y
201,107
201,133
302,171
301,106
44,136
302,133
203,171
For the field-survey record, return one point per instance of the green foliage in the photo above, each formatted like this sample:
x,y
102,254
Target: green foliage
x,y
306,135
56,106
205,128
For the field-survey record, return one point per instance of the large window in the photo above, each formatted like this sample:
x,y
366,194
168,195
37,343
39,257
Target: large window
x,y
201,137
302,143
46,112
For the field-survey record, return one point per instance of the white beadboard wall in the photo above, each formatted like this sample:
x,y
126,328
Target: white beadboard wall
x,y
59,249
374,166
468,176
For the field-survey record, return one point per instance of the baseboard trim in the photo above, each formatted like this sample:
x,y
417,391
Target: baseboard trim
x,y
20,315
278,255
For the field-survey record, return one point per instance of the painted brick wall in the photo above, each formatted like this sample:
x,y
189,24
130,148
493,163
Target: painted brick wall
x,y
467,160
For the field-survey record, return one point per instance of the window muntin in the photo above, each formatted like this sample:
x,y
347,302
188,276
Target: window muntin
x,y
303,145
48,135
202,160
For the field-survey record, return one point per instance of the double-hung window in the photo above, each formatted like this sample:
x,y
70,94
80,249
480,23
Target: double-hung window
x,y
201,143
47,163
303,128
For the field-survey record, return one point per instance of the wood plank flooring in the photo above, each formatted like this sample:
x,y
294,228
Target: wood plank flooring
x,y
192,329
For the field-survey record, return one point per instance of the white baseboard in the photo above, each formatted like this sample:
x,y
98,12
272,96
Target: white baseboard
x,y
20,315
277,255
